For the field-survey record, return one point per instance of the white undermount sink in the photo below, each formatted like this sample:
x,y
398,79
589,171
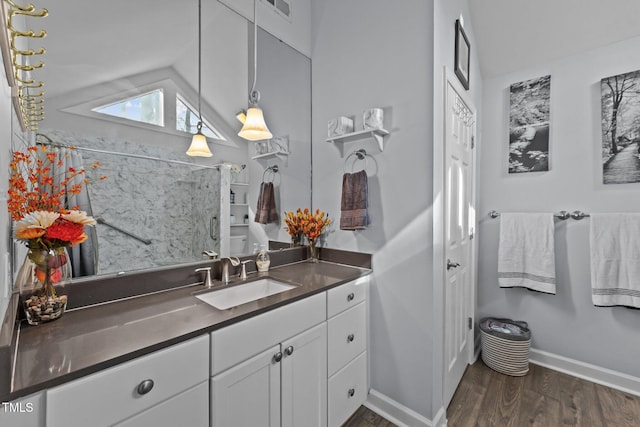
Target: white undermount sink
x,y
241,294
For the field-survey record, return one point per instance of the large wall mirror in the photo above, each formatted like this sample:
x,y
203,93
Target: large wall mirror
x,y
121,86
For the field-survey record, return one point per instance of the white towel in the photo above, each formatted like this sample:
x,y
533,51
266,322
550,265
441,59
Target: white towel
x,y
526,255
615,259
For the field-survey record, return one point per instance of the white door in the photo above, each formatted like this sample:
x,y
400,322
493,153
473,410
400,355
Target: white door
x,y
459,228
304,379
248,394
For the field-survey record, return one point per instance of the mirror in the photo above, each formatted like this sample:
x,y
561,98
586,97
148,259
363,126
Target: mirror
x,y
159,207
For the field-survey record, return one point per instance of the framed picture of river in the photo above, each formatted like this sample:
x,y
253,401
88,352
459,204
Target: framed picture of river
x,y
620,98
529,105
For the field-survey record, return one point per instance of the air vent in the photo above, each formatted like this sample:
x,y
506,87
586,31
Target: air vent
x,y
282,7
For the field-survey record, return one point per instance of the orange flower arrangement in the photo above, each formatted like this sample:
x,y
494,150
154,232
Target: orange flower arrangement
x,y
36,200
37,189
312,225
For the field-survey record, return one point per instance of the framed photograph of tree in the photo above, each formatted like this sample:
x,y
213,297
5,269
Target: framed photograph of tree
x,y
620,98
529,107
462,55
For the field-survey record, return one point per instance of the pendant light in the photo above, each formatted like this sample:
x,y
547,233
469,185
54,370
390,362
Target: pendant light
x,y
255,129
199,146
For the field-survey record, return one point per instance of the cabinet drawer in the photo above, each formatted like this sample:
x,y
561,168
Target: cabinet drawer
x,y
347,390
347,295
112,395
189,408
238,342
347,336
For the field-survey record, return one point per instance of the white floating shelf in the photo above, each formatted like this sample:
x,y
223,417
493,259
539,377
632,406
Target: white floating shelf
x,y
242,184
377,134
281,154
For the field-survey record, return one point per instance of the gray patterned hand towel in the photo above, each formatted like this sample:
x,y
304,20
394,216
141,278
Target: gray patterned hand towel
x,y
355,193
266,212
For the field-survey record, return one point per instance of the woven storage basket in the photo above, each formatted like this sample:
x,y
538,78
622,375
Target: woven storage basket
x,y
505,345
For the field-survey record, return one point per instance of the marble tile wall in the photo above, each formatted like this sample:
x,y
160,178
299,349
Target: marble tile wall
x,y
170,204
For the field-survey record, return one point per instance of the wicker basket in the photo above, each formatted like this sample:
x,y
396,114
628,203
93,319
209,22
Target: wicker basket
x,y
505,345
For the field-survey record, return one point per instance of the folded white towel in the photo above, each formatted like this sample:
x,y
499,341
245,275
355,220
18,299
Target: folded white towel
x,y
526,255
615,259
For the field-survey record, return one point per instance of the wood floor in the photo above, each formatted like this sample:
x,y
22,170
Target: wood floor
x,y
543,398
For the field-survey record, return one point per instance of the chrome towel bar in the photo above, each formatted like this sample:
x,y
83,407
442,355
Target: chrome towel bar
x,y
577,215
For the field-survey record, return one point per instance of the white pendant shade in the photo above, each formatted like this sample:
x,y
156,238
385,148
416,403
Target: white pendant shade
x,y
199,146
255,129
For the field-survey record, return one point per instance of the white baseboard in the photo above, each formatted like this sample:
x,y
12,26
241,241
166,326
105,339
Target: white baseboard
x,y
398,413
607,377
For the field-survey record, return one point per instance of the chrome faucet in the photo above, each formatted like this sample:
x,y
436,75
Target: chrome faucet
x,y
234,261
207,280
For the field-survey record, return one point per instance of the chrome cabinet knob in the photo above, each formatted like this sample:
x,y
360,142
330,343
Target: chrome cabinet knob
x,y
289,350
351,392
351,337
145,387
277,357
351,296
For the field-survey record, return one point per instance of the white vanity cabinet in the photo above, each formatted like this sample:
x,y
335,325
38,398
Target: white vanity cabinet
x,y
347,349
270,370
168,387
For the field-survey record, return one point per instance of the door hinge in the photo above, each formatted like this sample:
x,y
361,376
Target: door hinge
x,y
470,323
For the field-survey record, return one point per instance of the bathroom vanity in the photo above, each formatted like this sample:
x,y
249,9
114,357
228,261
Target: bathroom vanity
x,y
294,358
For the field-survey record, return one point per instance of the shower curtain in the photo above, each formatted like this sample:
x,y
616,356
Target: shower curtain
x,y
83,257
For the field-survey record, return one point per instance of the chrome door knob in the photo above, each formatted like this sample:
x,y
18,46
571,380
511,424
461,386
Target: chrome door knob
x,y
451,264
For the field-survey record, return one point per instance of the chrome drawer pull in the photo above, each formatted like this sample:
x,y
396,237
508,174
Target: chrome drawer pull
x,y
350,297
145,387
350,337
351,392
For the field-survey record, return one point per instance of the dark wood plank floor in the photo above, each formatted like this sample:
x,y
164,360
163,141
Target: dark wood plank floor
x,y
365,417
543,398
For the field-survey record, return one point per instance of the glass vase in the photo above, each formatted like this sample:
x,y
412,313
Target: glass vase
x,y
313,251
296,240
40,282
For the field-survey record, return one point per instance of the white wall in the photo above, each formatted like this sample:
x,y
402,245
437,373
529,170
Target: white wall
x,y
379,54
566,324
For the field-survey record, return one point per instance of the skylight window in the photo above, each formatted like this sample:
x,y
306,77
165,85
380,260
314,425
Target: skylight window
x,y
145,108
187,121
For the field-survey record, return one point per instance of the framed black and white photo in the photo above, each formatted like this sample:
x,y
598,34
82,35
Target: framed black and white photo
x,y
620,99
529,106
462,56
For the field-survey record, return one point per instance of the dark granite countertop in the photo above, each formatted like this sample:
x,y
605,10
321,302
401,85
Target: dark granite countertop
x,y
86,340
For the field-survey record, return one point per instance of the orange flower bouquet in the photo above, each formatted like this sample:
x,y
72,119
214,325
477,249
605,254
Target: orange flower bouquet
x,y
312,225
37,188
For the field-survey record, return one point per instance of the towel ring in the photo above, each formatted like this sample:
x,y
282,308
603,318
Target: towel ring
x,y
273,169
361,154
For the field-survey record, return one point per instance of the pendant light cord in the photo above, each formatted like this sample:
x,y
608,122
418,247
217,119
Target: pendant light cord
x,y
254,95
199,65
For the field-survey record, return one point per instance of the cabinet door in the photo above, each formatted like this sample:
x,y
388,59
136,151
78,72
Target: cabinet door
x,y
189,408
304,378
248,394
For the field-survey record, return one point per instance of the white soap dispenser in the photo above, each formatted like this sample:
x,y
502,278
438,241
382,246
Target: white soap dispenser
x,y
263,260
